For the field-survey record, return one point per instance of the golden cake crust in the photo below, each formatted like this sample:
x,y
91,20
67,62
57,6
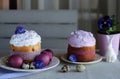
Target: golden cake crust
x,y
86,58
83,57
26,49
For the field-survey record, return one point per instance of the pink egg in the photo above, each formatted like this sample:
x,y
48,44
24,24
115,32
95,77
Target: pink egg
x,y
44,57
15,61
48,52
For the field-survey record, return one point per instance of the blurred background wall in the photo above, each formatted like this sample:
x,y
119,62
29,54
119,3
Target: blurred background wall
x,y
89,11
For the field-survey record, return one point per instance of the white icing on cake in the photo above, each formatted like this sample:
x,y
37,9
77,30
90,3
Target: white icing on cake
x,y
25,39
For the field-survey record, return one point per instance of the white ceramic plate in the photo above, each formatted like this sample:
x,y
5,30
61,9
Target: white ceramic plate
x,y
52,64
97,59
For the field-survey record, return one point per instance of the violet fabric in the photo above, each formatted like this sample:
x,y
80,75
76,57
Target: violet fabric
x,y
27,56
81,53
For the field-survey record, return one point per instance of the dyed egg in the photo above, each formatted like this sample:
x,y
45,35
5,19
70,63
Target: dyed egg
x,y
44,57
15,61
48,52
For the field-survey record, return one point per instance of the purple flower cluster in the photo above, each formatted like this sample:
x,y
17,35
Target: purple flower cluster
x,y
72,58
20,30
39,64
105,23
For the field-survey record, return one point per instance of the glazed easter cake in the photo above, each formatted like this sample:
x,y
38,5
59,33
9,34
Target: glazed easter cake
x,y
26,43
81,46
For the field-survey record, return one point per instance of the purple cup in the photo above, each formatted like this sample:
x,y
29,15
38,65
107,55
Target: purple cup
x,y
103,44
